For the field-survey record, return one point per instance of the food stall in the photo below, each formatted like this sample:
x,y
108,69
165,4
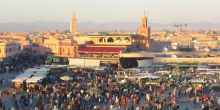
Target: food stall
x,y
17,82
31,82
73,69
151,80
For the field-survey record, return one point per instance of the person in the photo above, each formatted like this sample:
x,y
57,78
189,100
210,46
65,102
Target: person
x,y
177,107
105,108
203,106
96,108
1,104
180,92
13,95
16,104
1,82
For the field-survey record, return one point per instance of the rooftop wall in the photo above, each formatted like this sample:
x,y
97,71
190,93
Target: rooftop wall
x,y
188,60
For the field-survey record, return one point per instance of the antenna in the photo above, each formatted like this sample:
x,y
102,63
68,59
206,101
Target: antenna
x,y
146,13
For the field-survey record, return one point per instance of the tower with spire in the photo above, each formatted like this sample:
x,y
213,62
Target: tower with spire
x,y
73,24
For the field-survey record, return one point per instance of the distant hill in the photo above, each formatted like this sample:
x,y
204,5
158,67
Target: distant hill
x,y
35,26
91,26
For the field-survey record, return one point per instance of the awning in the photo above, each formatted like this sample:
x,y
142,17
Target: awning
x,y
213,64
100,49
158,64
6,60
171,64
187,64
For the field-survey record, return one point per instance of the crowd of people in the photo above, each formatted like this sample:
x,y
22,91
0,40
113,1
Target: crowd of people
x,y
102,91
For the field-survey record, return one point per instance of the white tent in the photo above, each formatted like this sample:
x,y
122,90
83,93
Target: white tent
x,y
66,78
33,80
20,80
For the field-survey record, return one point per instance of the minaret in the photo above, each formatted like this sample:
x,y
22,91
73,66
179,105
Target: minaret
x,y
143,28
73,24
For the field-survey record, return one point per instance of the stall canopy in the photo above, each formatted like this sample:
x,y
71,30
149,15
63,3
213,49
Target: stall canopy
x,y
100,49
158,64
6,60
187,64
84,62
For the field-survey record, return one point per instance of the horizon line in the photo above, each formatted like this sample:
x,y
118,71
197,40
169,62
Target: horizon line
x,y
116,22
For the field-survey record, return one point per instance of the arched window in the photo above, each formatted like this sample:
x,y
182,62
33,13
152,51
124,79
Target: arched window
x,y
19,47
68,51
110,40
127,39
61,50
100,39
118,38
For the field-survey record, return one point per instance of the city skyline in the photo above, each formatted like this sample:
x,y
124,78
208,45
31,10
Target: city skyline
x,y
157,11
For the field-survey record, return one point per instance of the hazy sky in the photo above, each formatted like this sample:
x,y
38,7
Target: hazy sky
x,y
159,11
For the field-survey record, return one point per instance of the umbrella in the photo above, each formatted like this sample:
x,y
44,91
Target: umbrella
x,y
66,78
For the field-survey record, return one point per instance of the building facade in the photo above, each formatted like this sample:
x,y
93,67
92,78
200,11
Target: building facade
x,y
107,46
9,49
61,47
132,42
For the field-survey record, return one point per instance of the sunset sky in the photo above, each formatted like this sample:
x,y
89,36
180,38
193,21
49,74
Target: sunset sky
x,y
158,11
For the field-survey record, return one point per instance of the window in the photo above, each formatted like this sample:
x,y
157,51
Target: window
x,y
101,40
110,40
68,52
61,50
118,39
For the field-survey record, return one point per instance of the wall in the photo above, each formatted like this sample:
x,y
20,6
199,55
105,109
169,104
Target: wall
x,y
9,49
68,51
188,60
84,62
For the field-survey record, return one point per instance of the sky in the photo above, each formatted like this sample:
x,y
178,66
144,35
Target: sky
x,y
157,11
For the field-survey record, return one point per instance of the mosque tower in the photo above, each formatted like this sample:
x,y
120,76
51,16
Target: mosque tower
x,y
144,30
143,27
73,24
